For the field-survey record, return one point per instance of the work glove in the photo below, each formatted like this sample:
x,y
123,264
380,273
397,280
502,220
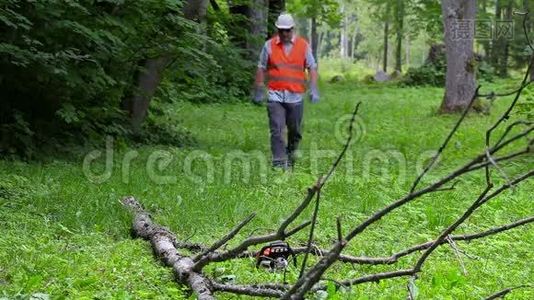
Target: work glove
x,y
314,94
259,94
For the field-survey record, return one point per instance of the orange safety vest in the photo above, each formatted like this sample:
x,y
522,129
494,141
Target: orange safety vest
x,y
286,72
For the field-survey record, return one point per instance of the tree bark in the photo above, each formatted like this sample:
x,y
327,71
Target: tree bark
x,y
485,43
408,53
258,27
148,81
527,8
314,38
343,35
460,77
496,43
385,57
400,28
503,72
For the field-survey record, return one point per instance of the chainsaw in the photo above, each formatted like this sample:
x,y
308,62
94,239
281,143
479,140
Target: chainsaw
x,y
275,256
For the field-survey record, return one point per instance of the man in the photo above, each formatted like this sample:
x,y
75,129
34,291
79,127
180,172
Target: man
x,y
284,59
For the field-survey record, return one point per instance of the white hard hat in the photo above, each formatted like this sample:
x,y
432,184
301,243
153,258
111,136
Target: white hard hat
x,y
284,21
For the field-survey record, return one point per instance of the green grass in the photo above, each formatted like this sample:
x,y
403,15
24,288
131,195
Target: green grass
x,y
68,237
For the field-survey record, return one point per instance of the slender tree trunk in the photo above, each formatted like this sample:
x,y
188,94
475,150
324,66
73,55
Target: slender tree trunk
x,y
460,77
258,19
505,44
319,45
343,34
314,38
351,46
527,7
486,42
408,53
385,57
496,43
400,27
149,78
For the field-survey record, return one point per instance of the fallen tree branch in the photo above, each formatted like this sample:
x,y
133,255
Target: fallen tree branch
x,y
250,290
162,241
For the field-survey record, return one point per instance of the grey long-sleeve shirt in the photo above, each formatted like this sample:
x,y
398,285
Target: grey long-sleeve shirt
x,y
285,96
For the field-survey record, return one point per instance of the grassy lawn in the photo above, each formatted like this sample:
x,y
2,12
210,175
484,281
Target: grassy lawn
x,y
64,233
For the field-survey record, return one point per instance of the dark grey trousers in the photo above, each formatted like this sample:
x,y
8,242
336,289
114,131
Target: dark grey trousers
x,y
280,116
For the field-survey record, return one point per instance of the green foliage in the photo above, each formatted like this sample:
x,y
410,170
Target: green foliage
x,y
525,106
326,12
65,236
68,66
427,74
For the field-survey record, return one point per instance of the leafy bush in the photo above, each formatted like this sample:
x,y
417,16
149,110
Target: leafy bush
x,y
424,75
67,67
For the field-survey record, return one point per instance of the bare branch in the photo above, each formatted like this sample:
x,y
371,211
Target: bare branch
x,y
510,127
457,252
345,147
251,290
201,259
510,93
298,228
504,292
312,229
446,141
378,276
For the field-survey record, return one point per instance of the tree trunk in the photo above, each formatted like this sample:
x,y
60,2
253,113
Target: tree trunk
x,y
400,27
150,77
343,35
408,53
148,80
350,52
314,38
485,42
496,43
258,19
319,43
460,77
527,7
385,57
503,72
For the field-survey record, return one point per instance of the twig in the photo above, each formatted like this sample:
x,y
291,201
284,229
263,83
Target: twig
x,y
251,290
345,147
446,141
200,258
494,163
483,198
500,294
312,229
457,253
339,231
